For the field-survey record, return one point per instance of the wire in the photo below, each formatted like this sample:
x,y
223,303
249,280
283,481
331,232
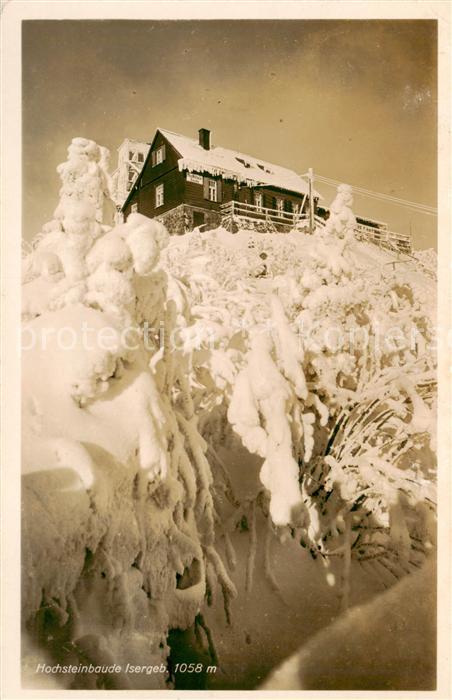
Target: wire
x,y
329,180
424,208
421,208
380,195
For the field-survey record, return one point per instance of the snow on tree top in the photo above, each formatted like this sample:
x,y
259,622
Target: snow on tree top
x,y
233,164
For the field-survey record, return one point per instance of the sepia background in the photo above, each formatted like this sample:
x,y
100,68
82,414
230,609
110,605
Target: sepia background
x,y
355,100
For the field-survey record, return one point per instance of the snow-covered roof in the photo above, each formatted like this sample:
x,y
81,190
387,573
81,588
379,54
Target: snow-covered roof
x,y
235,165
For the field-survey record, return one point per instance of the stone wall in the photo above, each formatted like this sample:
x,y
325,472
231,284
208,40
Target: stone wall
x,y
212,219
174,220
181,219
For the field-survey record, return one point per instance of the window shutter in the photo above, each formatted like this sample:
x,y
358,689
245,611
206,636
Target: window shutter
x,y
206,188
153,158
219,191
163,152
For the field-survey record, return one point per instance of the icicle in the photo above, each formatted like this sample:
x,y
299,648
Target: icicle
x,y
268,572
210,583
252,548
199,621
230,552
228,589
347,557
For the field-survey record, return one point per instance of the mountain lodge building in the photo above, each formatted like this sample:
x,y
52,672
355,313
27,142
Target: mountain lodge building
x,y
187,183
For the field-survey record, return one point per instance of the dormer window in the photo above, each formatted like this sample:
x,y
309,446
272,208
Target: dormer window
x,y
243,162
158,156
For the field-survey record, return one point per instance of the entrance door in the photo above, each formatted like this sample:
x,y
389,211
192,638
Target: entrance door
x,y
198,219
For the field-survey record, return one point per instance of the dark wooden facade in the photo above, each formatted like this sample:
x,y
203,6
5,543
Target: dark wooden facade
x,y
179,189
167,172
186,203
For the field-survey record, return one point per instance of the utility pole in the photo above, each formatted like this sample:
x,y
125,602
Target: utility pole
x,y
311,201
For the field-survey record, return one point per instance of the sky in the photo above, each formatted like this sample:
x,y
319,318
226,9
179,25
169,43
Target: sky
x,y
355,100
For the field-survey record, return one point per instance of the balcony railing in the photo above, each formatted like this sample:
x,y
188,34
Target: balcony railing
x,y
253,211
382,237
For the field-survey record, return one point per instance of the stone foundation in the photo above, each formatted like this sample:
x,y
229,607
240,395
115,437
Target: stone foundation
x,y
183,218
174,220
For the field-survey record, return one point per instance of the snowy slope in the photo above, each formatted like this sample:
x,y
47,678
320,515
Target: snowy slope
x,y
370,256
388,644
232,444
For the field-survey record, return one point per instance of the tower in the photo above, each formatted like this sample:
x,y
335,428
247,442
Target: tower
x,y
131,157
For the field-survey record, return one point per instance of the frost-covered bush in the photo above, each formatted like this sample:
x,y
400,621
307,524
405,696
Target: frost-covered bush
x,y
341,221
118,530
316,360
330,380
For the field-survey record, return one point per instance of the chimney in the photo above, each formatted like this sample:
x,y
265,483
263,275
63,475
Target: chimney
x,y
204,139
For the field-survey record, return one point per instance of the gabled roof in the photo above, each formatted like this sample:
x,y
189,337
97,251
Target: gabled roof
x,y
235,165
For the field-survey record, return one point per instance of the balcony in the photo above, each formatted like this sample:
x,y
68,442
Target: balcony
x,y
240,215
236,215
390,240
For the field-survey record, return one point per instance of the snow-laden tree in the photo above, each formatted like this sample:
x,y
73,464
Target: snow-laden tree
x,y
342,221
118,512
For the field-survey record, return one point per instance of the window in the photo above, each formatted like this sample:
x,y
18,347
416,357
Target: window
x,y
130,155
258,200
158,156
159,195
279,204
140,157
212,189
134,208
